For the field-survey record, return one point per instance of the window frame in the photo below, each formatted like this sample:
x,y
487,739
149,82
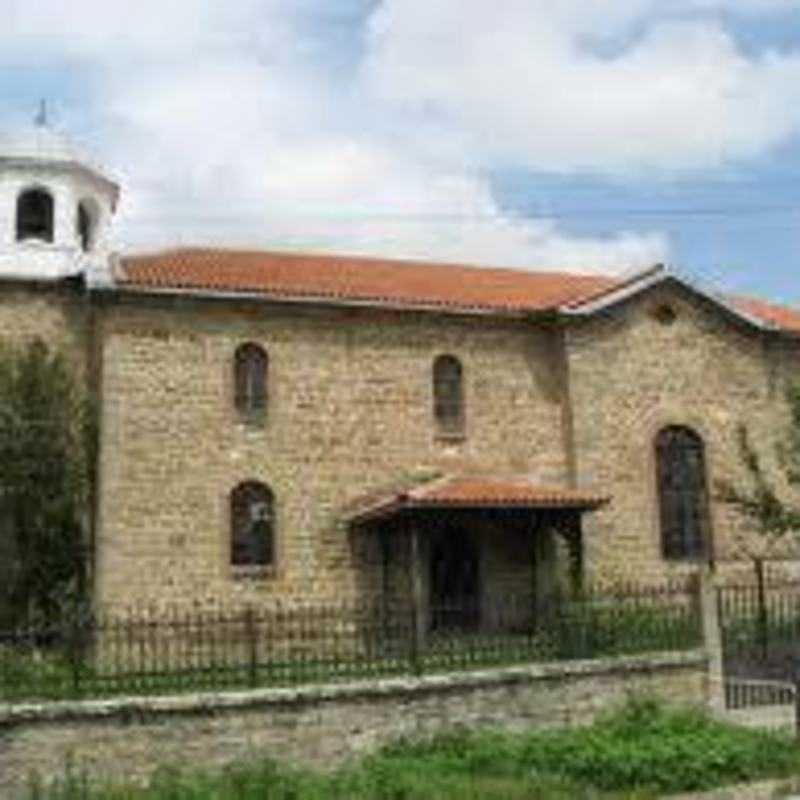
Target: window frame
x,y
449,412
681,476
241,499
251,368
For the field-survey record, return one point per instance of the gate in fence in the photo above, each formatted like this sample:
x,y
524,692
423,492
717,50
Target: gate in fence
x,y
760,634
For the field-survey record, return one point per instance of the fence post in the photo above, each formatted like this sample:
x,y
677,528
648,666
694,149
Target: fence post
x,y
712,638
763,622
417,622
250,627
796,680
75,657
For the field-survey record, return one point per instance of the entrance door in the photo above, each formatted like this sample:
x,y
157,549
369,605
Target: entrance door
x,y
455,585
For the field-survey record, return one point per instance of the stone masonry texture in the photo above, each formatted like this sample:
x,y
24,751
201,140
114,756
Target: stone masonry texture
x,y
629,375
321,726
350,410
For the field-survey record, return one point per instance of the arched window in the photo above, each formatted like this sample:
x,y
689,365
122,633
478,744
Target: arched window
x,y
84,227
250,378
35,215
682,495
448,395
252,525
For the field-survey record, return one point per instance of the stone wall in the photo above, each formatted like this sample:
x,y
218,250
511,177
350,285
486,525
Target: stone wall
x,y
629,375
322,726
350,410
56,314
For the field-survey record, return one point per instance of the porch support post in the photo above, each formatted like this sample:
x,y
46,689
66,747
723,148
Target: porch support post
x,y
573,538
417,610
544,561
383,539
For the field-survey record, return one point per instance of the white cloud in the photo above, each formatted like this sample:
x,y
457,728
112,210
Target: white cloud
x,y
107,32
226,132
353,196
528,87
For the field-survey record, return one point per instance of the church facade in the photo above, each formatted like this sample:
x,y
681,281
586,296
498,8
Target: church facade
x,y
278,425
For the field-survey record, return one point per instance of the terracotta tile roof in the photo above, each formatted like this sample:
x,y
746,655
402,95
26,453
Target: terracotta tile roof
x,y
308,276
621,283
379,281
477,492
784,317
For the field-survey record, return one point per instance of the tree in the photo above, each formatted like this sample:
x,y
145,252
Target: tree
x,y
47,453
760,501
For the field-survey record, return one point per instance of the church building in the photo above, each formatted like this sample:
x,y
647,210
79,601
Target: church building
x,y
324,426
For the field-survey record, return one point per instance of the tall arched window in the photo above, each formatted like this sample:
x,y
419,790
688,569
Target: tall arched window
x,y
448,395
252,525
250,378
35,215
682,495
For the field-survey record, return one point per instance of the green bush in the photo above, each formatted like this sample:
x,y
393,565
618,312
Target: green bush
x,y
643,744
635,753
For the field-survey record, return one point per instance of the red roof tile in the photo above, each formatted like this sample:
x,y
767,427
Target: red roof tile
x,y
784,317
479,492
307,276
379,281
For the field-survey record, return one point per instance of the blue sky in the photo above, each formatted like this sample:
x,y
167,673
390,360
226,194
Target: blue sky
x,y
594,135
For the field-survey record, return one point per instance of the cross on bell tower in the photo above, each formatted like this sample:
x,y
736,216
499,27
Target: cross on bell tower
x,y
40,120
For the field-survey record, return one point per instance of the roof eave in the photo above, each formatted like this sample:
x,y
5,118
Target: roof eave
x,y
402,502
65,163
123,287
653,278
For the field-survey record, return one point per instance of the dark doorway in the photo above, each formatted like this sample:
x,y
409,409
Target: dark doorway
x,y
455,582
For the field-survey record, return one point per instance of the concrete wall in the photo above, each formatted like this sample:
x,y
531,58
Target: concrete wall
x,y
322,726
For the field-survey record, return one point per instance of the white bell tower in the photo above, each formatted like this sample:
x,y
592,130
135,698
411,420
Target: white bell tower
x,y
56,208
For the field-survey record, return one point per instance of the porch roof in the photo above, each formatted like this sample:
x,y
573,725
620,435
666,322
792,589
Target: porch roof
x,y
472,492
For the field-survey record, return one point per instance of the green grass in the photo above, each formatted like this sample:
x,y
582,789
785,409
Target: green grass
x,y
267,782
637,752
642,745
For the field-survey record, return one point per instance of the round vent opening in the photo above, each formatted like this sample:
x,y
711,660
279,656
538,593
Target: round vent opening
x,y
665,314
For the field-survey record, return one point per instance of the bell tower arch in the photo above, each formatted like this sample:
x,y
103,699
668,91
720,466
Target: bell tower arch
x,y
56,207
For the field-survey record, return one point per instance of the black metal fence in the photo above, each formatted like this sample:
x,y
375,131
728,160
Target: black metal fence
x,y
760,628
747,693
291,642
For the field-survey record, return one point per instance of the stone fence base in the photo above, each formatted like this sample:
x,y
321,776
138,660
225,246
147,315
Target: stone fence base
x,y
322,726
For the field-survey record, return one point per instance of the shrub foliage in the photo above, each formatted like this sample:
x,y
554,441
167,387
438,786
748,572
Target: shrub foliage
x,y
47,449
638,752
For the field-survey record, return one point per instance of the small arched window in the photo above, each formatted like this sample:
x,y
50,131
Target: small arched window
x,y
448,395
682,495
250,378
35,215
84,227
252,525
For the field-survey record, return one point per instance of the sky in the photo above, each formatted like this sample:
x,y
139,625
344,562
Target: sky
x,y
582,135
